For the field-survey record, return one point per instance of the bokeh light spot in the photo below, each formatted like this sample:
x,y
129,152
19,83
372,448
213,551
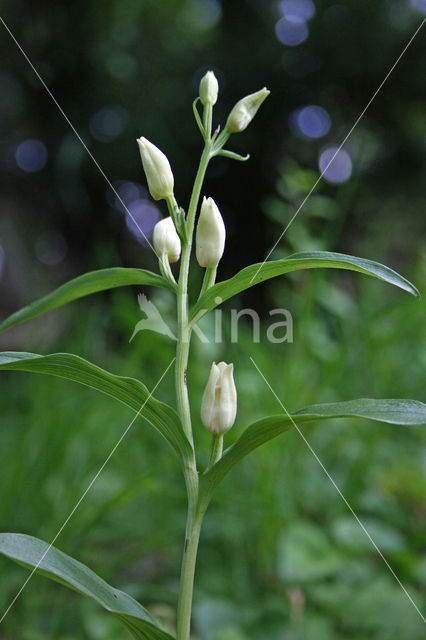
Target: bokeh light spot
x,y
121,65
420,5
107,123
313,121
291,30
144,217
125,192
337,169
205,14
304,9
51,248
31,155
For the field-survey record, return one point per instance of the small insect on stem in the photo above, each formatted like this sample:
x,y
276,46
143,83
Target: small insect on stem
x,y
186,544
184,377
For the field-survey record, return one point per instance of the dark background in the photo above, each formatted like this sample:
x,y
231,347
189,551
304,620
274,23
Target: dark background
x,y
124,69
142,61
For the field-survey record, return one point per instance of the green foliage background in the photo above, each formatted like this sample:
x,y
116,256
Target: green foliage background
x,y
280,556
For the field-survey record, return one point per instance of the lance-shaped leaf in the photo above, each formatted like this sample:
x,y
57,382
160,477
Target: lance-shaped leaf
x,y
129,391
85,285
400,412
51,563
256,273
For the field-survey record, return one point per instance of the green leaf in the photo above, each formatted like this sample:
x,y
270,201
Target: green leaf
x,y
233,156
400,412
197,118
348,534
129,391
305,554
52,563
85,285
256,273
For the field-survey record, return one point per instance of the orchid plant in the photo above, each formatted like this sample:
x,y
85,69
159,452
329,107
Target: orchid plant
x,y
173,242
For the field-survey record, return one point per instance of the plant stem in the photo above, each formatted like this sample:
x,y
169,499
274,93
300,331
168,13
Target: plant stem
x,y
184,332
216,450
165,269
186,587
209,280
193,525
207,118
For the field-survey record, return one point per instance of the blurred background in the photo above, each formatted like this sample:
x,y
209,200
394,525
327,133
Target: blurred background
x,y
281,557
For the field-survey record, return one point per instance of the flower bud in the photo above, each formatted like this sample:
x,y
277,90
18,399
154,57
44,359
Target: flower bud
x,y
166,240
157,170
245,110
209,88
219,403
210,236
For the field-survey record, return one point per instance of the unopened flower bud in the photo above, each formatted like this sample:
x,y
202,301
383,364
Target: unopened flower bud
x,y
245,110
157,170
209,88
166,240
219,404
210,236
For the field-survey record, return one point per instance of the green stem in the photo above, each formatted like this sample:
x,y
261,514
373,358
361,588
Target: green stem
x,y
216,450
219,140
193,526
194,516
209,279
186,587
165,269
207,117
184,332
172,206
